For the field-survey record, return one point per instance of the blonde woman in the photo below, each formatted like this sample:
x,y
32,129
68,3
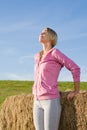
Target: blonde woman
x,y
48,64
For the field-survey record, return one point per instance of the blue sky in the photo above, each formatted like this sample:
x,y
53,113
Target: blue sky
x,y
21,22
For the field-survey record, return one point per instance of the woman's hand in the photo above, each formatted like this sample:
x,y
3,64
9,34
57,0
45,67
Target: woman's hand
x,y
76,91
71,95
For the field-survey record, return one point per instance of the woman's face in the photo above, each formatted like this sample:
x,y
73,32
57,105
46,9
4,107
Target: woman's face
x,y
44,37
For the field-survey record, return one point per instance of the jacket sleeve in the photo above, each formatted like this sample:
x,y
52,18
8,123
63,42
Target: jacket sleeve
x,y
69,64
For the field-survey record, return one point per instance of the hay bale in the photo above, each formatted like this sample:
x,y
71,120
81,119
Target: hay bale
x,y
74,113
16,113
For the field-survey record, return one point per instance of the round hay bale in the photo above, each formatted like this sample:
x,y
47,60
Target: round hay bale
x,y
17,112
74,112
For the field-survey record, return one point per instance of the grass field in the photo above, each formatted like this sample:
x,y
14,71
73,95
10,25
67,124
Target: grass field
x,y
9,87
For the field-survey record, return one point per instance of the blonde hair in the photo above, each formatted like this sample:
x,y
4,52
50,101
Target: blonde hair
x,y
53,36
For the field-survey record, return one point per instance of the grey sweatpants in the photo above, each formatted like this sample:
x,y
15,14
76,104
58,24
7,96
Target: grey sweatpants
x,y
46,114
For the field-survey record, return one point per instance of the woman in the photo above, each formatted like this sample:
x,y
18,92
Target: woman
x,y
48,63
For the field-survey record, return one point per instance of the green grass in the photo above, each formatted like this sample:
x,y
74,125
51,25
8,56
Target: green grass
x,y
9,87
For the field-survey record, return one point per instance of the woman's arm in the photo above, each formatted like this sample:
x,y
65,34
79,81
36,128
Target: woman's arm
x,y
71,66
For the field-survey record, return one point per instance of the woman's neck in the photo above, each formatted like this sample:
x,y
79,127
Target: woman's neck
x,y
46,48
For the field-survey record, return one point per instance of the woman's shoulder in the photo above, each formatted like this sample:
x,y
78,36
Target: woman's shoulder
x,y
37,55
56,51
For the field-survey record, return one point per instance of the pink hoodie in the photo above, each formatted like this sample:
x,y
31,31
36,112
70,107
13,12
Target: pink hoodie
x,y
47,72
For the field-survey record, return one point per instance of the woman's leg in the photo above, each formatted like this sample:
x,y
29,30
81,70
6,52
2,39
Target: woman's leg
x,y
38,116
52,111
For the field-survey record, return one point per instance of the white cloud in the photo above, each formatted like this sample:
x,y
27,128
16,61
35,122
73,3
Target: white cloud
x,y
15,76
4,50
22,59
66,37
13,27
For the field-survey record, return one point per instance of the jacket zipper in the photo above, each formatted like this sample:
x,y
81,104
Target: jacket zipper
x,y
37,80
